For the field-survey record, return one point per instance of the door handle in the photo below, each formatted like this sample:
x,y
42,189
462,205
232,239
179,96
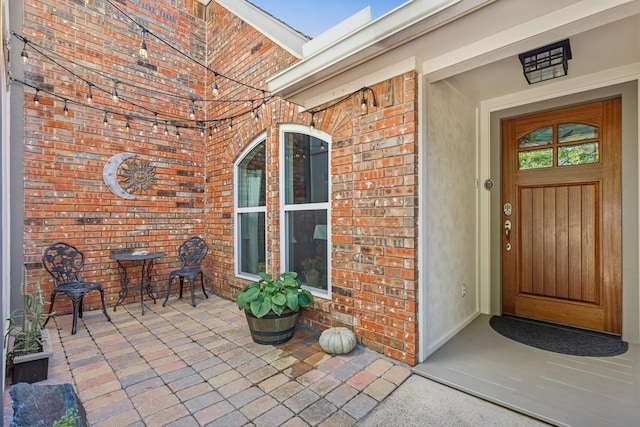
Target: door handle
x,y
507,232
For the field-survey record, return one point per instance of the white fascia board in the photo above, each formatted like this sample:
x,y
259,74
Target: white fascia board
x,y
352,81
405,23
349,25
560,24
281,34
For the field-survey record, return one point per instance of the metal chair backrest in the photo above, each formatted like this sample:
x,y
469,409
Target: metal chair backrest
x,y
193,251
64,262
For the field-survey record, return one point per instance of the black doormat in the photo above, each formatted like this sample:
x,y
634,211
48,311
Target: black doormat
x,y
558,338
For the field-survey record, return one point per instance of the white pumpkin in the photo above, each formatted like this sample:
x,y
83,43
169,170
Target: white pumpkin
x,y
338,340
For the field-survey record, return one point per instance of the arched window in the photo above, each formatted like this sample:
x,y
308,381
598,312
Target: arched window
x,y
250,206
305,217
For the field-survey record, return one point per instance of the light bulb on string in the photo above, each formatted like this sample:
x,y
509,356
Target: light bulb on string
x,y
192,110
144,53
114,92
89,95
215,127
312,125
231,123
363,103
36,98
166,129
177,133
210,133
216,90
155,122
24,55
65,109
202,131
127,127
105,122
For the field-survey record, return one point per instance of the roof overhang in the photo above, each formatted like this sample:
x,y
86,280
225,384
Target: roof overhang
x,y
440,41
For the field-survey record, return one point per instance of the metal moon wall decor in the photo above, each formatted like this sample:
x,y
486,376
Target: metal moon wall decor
x,y
138,175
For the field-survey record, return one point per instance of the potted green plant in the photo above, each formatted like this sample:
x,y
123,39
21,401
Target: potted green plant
x,y
272,306
29,357
312,268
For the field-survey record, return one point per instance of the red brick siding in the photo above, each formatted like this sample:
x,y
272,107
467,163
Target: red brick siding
x,y
65,196
373,161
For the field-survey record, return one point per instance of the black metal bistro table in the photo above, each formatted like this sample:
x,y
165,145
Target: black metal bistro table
x,y
147,259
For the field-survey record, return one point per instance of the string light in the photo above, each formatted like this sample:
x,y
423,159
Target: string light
x,y
144,53
312,125
114,92
215,84
166,129
127,127
89,95
105,122
230,123
177,133
36,99
155,122
201,131
363,103
210,133
192,111
24,55
65,109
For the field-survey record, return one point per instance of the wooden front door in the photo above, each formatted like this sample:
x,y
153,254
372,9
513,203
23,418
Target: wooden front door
x,y
561,230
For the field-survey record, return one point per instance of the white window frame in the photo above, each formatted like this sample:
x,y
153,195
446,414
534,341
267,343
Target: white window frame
x,y
238,210
284,208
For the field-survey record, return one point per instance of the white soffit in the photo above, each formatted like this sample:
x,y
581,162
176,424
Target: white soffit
x,y
405,23
283,35
560,24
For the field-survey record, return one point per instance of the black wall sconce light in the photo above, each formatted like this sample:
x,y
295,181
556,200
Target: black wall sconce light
x,y
546,62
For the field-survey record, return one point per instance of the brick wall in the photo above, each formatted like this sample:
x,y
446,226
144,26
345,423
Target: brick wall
x,y
374,209
65,196
373,162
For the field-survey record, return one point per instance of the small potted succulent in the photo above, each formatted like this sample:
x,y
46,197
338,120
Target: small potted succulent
x,y
29,356
272,306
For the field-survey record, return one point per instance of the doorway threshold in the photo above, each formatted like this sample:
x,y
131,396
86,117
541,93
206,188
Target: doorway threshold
x,y
558,389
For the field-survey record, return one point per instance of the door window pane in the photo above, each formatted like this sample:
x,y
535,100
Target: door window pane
x,y
537,138
571,132
535,159
578,154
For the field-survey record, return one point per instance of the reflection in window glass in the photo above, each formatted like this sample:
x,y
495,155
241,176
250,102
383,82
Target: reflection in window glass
x,y
307,169
536,138
578,154
307,240
535,159
306,237
571,132
252,244
250,209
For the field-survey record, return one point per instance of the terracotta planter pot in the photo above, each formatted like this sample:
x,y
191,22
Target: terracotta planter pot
x,y
34,367
272,329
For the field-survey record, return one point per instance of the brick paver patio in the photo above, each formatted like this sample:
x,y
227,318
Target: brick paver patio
x,y
198,366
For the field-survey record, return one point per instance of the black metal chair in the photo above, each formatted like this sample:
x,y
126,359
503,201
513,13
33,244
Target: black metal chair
x,y
192,251
64,262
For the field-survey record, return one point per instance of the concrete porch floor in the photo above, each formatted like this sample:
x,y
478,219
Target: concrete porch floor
x,y
184,366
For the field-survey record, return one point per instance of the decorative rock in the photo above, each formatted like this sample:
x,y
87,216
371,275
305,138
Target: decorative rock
x,y
338,340
40,405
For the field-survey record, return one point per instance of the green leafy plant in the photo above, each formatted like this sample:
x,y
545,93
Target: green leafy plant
x,y
27,333
69,419
267,295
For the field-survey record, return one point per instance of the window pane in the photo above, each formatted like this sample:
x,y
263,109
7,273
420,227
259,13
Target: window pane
x,y
578,154
307,239
306,169
536,138
252,245
535,159
571,132
251,178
